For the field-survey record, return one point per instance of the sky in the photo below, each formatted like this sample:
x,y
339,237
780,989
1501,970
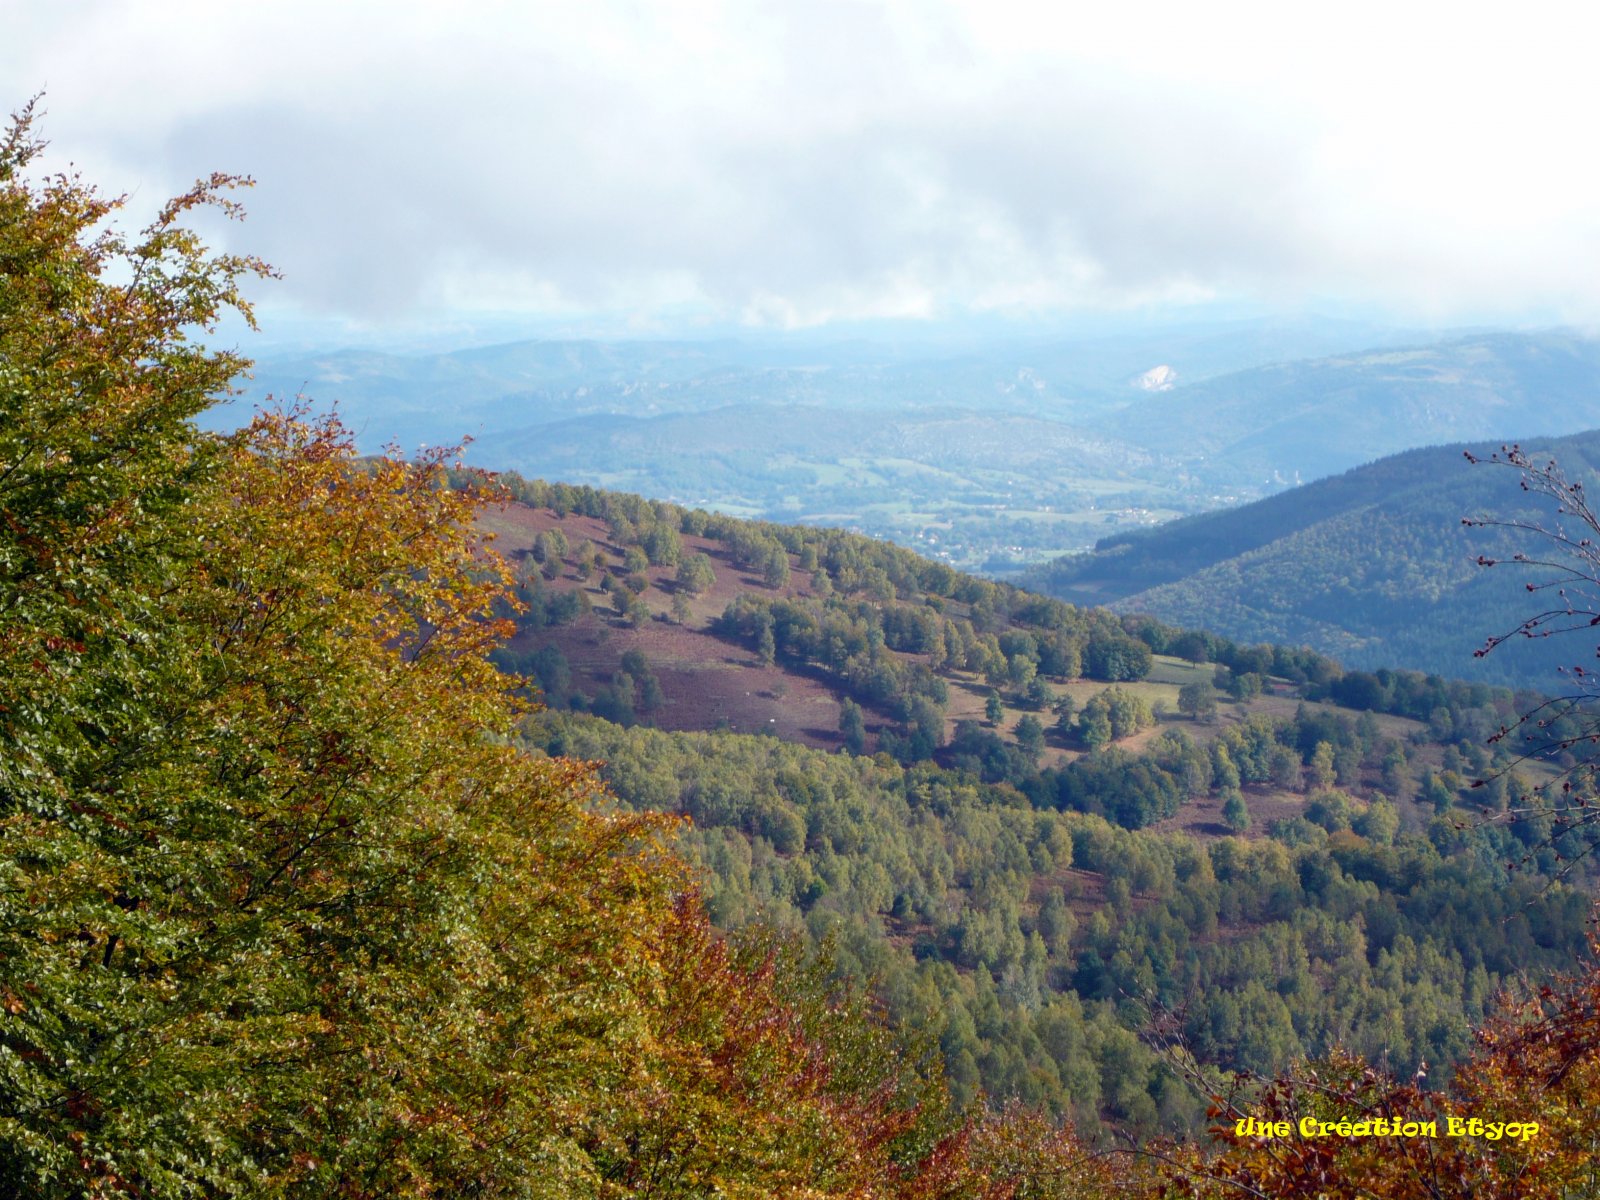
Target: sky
x,y
663,166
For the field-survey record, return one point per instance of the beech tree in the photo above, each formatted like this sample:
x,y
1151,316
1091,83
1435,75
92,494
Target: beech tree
x,y
695,574
1197,699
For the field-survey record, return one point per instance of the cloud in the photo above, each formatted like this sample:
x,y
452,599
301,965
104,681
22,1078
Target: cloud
x,y
793,163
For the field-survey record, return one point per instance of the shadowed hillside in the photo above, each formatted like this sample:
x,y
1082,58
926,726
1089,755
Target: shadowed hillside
x,y
1373,567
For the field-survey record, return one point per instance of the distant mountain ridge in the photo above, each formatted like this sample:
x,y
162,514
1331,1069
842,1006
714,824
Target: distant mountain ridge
x,y
1311,418
1372,566
535,381
991,457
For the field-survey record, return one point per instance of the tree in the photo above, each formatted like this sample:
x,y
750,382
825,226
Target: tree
x,y
97,384
1197,699
1224,771
586,558
1021,670
1128,712
1322,771
1396,772
305,725
926,725
1066,714
695,574
637,612
1191,645
1244,685
1379,823
1094,724
1116,657
1030,735
662,546
852,726
1235,814
993,710
775,568
1120,712
1039,694
1286,769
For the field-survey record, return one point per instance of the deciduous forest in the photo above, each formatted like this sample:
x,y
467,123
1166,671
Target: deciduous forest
x,y
372,827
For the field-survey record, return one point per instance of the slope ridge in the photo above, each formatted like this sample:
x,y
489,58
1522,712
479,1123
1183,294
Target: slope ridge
x,y
1372,566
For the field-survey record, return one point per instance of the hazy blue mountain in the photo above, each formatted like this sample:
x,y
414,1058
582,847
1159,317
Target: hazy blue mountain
x,y
991,454
975,449
1302,420
443,396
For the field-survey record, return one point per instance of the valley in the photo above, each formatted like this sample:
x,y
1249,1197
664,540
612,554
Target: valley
x,y
994,457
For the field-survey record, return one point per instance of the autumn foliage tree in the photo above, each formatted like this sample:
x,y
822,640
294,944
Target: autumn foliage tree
x,y
1537,1062
275,901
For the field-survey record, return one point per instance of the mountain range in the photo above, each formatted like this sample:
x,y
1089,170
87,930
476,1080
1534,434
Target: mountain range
x,y
991,458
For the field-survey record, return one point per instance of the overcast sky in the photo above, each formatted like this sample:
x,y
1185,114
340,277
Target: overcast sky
x,y
791,164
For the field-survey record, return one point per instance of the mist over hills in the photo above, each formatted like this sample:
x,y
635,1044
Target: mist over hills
x,y
1303,420
992,456
554,379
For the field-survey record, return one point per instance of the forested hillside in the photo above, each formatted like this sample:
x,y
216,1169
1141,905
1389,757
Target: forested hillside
x,y
1037,942
1074,822
1373,567
926,888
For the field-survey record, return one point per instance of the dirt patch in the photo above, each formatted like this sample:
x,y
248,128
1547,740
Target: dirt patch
x,y
708,684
